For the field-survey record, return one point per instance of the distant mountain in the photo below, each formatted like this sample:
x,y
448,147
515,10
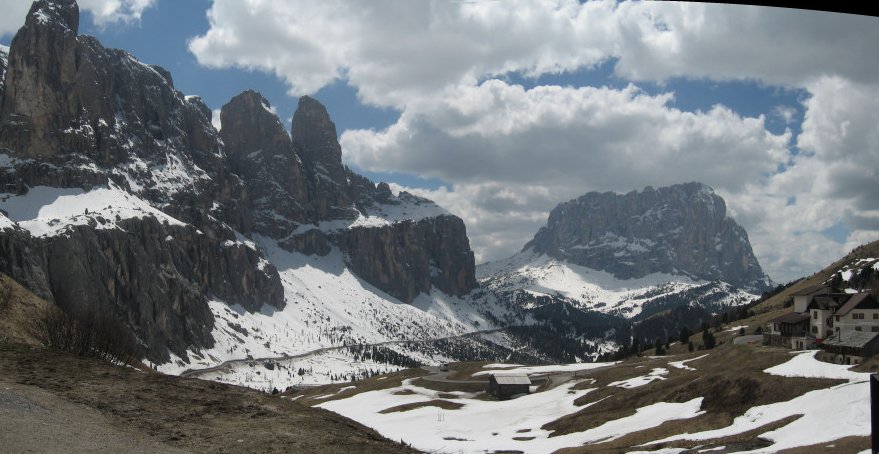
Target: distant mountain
x,y
643,265
680,230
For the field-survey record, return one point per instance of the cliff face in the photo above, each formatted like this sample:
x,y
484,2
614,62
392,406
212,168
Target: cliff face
x,y
681,230
261,153
408,258
149,208
307,200
80,119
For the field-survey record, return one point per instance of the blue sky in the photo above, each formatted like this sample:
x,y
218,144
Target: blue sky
x,y
500,113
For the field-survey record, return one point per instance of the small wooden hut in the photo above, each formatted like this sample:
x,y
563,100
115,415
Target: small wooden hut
x,y
506,386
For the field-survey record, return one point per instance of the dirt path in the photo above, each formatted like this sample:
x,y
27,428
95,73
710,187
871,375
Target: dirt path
x,y
34,420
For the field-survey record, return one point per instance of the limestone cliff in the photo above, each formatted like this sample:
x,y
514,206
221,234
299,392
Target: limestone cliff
x,y
681,230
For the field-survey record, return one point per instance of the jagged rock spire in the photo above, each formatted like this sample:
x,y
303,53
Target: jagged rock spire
x,y
314,135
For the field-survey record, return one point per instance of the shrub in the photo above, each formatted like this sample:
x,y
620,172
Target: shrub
x,y
90,334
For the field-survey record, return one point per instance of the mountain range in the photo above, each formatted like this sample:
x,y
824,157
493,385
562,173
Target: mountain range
x,y
228,250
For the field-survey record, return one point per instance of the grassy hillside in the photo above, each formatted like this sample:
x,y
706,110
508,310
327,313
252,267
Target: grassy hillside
x,y
603,410
18,310
169,412
869,250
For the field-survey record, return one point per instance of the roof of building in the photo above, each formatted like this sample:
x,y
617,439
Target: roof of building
x,y
827,302
812,289
512,379
861,300
855,339
790,317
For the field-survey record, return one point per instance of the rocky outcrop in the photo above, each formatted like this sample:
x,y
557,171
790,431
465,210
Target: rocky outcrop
x,y
77,115
4,56
680,230
407,258
69,98
314,135
155,277
399,256
261,152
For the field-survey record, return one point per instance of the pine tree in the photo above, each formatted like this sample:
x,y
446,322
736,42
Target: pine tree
x,y
685,335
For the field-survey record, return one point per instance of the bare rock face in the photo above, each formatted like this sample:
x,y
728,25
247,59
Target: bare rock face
x,y
408,258
315,137
261,153
681,229
77,115
155,278
293,197
67,98
4,57
41,70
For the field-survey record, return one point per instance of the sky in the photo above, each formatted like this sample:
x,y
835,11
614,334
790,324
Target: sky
x,y
500,110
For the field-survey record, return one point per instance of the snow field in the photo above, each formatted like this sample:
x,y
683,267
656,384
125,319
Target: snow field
x,y
47,211
682,364
484,426
847,406
591,289
327,306
656,374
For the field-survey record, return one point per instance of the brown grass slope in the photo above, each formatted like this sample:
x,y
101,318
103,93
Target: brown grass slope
x,y
19,308
164,413
186,414
860,252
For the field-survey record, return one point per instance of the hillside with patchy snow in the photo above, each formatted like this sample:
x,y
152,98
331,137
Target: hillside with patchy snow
x,y
772,402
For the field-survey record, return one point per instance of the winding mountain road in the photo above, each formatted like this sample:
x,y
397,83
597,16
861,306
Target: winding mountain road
x,y
195,373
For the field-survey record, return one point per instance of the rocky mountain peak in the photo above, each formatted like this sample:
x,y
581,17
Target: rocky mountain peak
x,y
261,153
314,135
55,13
680,230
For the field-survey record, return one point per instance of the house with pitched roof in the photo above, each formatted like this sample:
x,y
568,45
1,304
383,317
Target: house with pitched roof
x,y
859,313
506,386
802,298
790,330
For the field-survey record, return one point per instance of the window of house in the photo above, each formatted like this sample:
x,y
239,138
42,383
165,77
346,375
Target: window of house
x,y
875,315
874,329
815,315
857,328
837,329
837,318
815,329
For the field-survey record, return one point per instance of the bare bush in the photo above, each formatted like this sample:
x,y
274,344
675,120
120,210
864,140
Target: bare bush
x,y
91,334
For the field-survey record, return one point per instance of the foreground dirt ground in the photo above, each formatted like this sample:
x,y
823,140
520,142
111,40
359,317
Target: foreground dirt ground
x,y
52,402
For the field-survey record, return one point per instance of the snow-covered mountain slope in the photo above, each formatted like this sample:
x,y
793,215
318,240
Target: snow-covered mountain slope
x,y
45,211
537,274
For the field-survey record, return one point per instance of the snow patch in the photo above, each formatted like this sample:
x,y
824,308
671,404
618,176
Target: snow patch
x,y
47,211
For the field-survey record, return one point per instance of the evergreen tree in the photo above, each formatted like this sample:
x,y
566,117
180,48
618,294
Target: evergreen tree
x,y
658,350
685,335
708,339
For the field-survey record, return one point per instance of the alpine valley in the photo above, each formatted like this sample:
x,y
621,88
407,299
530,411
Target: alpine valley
x,y
253,255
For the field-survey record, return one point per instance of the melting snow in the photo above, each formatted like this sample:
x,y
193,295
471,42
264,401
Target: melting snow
x,y
847,405
47,211
485,426
658,373
682,364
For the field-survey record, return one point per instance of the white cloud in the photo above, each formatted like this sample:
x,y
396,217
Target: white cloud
x,y
104,12
398,52
511,154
